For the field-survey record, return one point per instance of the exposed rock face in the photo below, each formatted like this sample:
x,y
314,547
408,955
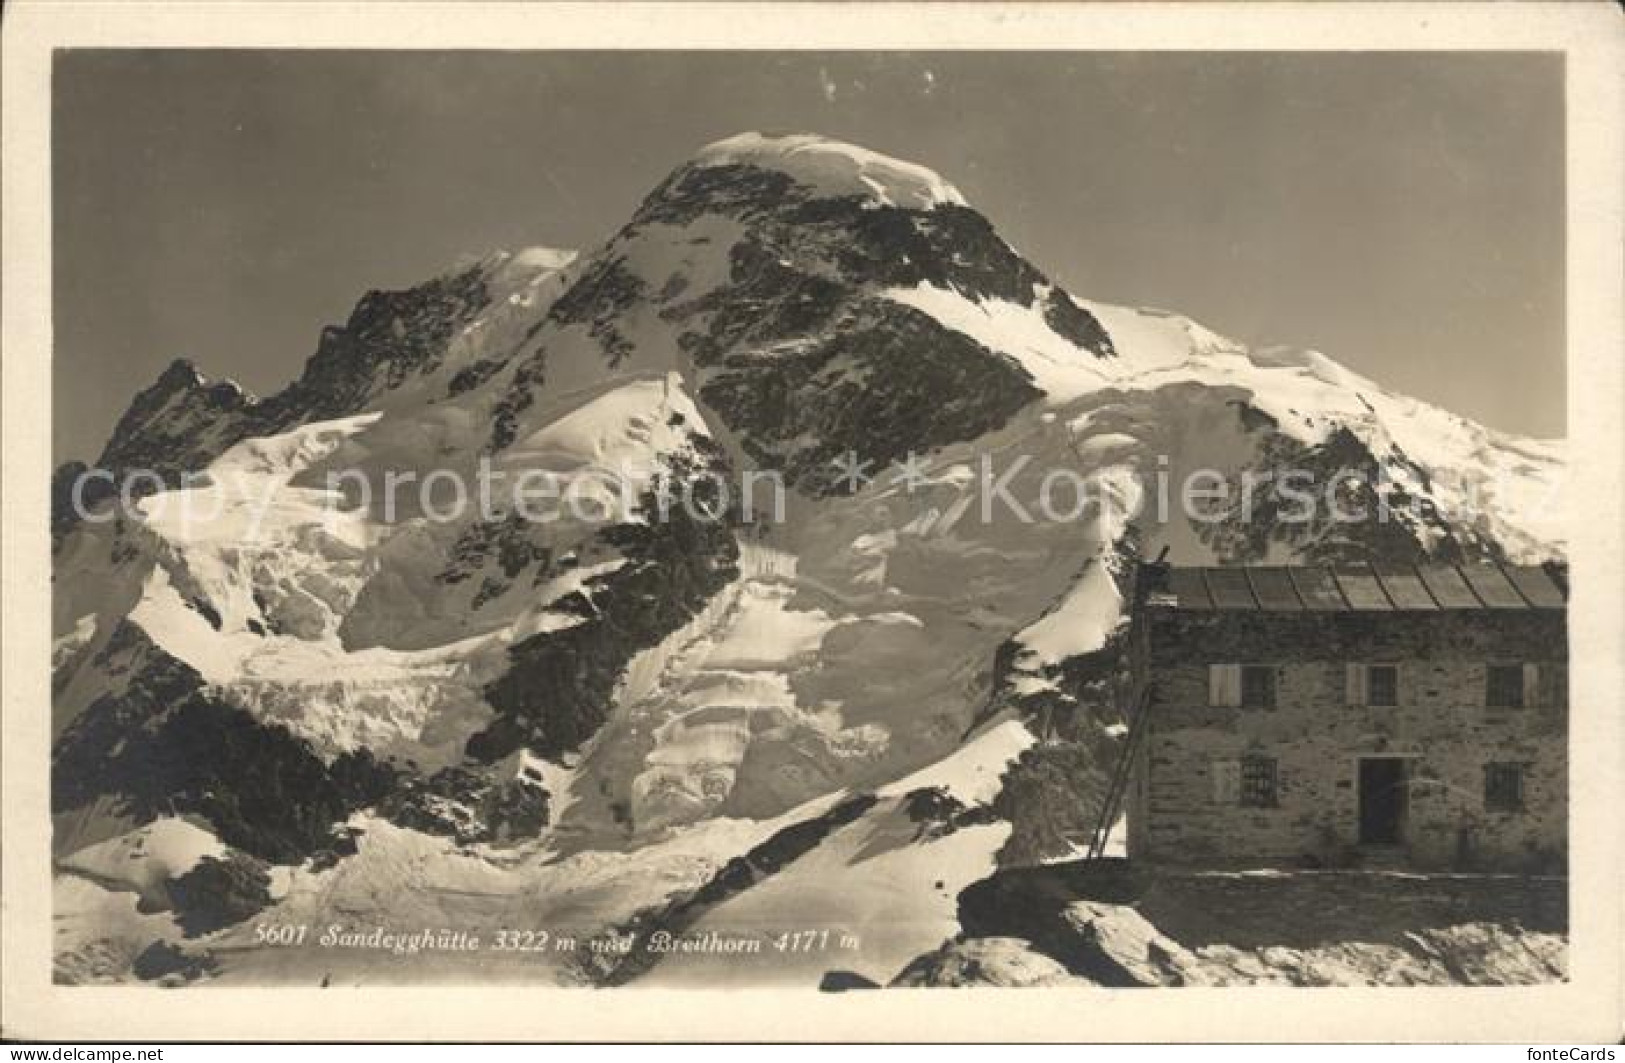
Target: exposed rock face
x,y
862,242
185,420
164,744
879,380
512,540
71,495
171,965
845,981
389,337
1397,525
470,806
940,387
556,693
798,350
738,875
606,289
178,424
991,961
217,893
1052,797
1113,925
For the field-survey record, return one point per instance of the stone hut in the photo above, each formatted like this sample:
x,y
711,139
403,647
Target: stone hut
x,y
1388,715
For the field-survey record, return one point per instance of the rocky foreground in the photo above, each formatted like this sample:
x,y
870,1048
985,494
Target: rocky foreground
x,y
1108,924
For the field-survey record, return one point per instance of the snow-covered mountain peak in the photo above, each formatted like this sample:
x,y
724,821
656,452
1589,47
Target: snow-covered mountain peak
x,y
181,405
615,690
180,373
799,272
507,267
832,168
541,257
183,374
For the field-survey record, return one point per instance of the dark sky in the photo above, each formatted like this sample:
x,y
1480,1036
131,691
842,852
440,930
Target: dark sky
x,y
1403,213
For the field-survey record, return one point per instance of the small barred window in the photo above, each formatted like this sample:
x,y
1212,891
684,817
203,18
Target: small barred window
x,y
1258,782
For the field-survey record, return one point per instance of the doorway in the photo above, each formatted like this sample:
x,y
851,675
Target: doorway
x,y
1382,800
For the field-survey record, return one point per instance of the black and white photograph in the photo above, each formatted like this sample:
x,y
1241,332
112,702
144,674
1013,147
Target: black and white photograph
x,y
831,520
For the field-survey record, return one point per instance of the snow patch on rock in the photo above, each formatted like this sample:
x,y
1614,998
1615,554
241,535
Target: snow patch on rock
x,y
1059,367
973,773
147,857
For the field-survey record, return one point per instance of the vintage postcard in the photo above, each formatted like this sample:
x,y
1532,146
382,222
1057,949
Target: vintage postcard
x,y
898,522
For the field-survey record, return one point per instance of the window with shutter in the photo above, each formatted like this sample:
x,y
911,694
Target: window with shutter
x,y
1531,684
1224,685
1372,684
1226,782
1354,684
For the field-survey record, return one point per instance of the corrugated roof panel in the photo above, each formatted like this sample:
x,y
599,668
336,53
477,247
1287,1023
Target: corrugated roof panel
x,y
1188,588
1230,588
1536,585
1383,587
1492,587
1273,589
1317,588
1449,589
1405,587
1361,588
